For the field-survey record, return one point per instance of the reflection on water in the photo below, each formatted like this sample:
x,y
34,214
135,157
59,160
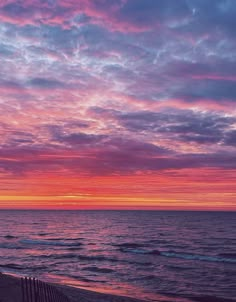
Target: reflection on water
x,y
142,254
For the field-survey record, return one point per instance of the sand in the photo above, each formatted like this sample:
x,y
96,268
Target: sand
x,y
10,291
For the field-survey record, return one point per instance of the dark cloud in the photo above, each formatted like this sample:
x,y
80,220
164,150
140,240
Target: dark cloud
x,y
152,12
230,138
134,148
193,16
9,84
213,16
78,139
104,156
110,160
15,9
217,90
214,67
66,40
6,50
184,125
43,83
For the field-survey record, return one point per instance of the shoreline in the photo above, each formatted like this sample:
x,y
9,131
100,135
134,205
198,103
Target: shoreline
x,y
10,291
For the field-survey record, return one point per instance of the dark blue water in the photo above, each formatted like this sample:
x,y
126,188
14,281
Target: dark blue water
x,y
145,254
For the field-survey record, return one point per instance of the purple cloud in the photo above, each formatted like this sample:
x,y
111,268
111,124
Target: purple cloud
x,y
117,86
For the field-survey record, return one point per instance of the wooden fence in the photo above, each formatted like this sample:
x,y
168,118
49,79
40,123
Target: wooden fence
x,y
34,290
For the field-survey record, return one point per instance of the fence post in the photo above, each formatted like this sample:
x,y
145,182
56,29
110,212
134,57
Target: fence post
x,y
34,290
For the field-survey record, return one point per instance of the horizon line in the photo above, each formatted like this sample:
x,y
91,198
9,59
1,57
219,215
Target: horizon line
x,y
123,210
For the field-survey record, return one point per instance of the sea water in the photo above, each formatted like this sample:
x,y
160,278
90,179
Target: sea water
x,y
151,255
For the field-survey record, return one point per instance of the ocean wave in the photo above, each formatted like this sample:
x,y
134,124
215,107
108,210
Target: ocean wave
x,y
227,258
140,263
90,280
74,239
75,248
96,258
134,251
10,237
148,277
84,279
175,246
187,256
63,239
79,257
49,242
58,256
98,269
157,241
22,267
12,266
11,246
140,251
178,268
63,256
228,255
211,299
129,245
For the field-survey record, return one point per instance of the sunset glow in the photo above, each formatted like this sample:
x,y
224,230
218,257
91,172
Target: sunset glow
x,y
125,104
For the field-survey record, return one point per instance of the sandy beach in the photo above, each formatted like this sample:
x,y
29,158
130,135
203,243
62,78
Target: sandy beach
x,y
10,291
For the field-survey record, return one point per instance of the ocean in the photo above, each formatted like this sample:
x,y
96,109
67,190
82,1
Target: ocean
x,y
151,255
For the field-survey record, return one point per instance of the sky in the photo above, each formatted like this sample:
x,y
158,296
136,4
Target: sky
x,y
118,104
